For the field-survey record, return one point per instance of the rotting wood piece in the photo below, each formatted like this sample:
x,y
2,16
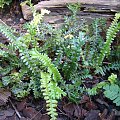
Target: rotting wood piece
x,y
89,8
61,3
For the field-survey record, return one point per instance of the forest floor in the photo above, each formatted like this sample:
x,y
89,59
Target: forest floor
x,y
96,108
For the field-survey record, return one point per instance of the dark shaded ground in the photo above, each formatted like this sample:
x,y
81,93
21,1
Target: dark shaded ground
x,y
96,108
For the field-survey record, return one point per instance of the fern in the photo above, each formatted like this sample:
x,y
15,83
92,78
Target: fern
x,y
95,89
8,32
46,61
35,69
51,93
110,87
113,93
114,66
111,34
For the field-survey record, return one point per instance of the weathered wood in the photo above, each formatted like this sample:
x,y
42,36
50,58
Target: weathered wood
x,y
89,9
61,3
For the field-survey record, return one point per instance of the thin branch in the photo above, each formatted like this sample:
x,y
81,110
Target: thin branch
x,y
18,114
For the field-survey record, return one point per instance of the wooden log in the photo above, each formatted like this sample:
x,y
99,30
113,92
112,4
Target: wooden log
x,y
61,3
89,9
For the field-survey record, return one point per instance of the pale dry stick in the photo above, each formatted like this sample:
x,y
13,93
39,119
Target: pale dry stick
x,y
2,22
18,114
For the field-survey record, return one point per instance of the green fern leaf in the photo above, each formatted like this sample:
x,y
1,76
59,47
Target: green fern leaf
x,y
46,61
51,93
8,32
113,93
111,34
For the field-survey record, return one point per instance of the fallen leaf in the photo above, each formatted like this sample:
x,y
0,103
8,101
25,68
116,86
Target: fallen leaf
x,y
29,112
69,109
2,117
14,117
23,118
105,116
79,112
21,105
37,116
93,115
4,95
102,102
84,99
91,105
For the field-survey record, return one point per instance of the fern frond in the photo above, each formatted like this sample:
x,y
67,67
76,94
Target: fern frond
x,y
113,66
113,93
111,34
51,93
46,61
8,32
95,89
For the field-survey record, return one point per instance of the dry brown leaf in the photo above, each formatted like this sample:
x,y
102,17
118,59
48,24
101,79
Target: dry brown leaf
x,y
93,115
84,99
21,105
29,112
106,116
4,95
79,112
45,117
91,105
69,109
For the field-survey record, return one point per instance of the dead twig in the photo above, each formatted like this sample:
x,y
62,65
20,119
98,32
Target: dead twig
x,y
18,114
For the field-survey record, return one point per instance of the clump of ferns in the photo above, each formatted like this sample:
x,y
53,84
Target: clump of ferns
x,y
110,36
105,51
38,66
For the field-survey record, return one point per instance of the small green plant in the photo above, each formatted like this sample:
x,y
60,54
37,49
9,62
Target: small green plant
x,y
3,2
110,87
111,34
31,64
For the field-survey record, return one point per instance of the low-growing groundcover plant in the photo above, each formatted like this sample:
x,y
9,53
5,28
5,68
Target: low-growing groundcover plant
x,y
54,62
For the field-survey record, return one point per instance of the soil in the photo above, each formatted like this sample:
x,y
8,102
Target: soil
x,y
95,108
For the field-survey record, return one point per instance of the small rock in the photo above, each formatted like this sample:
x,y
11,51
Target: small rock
x,y
22,21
